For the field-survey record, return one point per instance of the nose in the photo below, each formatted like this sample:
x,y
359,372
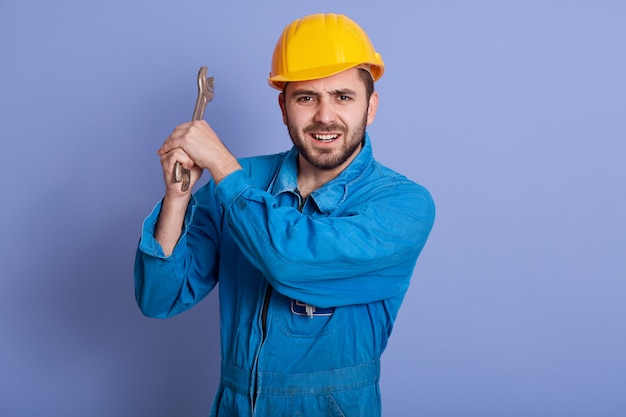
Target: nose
x,y
325,111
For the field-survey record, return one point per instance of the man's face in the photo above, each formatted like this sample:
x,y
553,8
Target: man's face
x,y
327,117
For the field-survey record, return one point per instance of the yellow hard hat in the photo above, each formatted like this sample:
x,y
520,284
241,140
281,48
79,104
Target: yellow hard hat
x,y
321,45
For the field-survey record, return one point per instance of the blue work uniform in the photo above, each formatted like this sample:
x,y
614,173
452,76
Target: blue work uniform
x,y
309,288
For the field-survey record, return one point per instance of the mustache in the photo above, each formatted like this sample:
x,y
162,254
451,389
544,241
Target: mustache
x,y
321,127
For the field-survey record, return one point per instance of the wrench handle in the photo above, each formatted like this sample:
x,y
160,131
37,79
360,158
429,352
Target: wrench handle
x,y
182,175
198,111
205,94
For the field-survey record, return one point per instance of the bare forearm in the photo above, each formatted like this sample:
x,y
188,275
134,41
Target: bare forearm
x,y
170,224
221,167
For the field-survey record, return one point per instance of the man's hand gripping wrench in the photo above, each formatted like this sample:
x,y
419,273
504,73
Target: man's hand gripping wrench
x,y
205,94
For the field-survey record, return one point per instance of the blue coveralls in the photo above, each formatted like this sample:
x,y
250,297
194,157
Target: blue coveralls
x,y
308,289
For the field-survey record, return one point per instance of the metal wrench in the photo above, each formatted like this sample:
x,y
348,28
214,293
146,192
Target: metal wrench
x,y
205,94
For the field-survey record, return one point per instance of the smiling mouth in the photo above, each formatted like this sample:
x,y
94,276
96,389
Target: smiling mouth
x,y
325,138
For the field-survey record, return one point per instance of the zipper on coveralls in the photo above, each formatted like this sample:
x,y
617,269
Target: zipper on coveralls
x,y
266,303
301,202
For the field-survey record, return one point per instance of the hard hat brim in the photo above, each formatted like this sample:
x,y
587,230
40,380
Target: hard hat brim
x,y
278,81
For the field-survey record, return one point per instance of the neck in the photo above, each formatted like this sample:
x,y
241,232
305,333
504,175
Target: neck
x,y
310,178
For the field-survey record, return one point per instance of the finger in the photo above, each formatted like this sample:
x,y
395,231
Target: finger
x,y
174,139
169,161
171,144
176,155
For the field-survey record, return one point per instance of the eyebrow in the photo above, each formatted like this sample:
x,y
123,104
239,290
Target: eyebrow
x,y
344,92
338,92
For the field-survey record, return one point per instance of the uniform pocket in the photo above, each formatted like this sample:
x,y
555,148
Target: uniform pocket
x,y
297,320
310,406
363,402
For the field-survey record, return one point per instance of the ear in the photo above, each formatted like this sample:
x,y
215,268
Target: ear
x,y
372,107
281,103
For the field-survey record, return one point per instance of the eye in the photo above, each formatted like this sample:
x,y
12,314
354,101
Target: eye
x,y
344,98
305,99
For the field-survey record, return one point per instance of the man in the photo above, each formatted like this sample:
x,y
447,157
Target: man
x,y
313,248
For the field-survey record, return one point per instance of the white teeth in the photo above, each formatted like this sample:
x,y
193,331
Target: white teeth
x,y
326,138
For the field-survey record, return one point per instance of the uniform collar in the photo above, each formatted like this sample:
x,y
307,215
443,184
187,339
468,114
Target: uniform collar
x,y
330,195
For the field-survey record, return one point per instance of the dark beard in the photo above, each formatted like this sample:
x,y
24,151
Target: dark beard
x,y
328,161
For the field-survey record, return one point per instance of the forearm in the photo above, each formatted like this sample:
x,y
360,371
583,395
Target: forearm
x,y
170,223
222,164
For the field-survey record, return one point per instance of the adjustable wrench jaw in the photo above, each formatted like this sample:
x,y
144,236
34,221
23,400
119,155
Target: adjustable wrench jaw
x,y
206,91
205,94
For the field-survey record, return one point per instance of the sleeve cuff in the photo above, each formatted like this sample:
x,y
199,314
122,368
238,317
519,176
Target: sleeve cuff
x,y
148,244
231,187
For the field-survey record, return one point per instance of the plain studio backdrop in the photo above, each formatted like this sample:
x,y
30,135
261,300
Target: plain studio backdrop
x,y
512,113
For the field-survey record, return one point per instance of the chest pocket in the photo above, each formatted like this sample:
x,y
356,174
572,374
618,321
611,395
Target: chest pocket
x,y
296,319
300,309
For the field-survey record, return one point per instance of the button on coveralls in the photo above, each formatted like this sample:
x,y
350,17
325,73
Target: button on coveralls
x,y
308,289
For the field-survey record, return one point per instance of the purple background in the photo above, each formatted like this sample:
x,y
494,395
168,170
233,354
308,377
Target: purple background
x,y
513,114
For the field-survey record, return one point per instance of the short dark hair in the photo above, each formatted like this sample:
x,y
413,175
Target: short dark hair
x,y
368,80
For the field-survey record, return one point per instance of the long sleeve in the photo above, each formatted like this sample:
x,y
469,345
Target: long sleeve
x,y
362,252
165,286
